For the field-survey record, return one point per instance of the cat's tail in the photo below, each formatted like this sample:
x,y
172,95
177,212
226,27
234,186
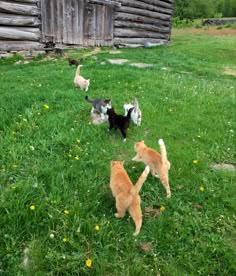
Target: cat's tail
x,y
163,151
87,99
137,187
136,106
78,70
129,113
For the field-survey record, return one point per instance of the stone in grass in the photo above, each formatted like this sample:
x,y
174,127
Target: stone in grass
x,y
97,119
117,61
141,65
223,167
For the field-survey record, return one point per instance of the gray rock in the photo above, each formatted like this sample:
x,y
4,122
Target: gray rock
x,y
223,167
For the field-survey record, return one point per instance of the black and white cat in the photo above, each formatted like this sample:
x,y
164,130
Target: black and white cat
x,y
99,106
136,114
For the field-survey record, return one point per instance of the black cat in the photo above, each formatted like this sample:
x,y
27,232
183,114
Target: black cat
x,y
119,121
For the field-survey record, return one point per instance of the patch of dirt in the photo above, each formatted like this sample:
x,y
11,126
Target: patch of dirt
x,y
210,31
229,71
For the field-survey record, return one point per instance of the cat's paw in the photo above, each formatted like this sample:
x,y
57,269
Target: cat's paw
x,y
160,142
147,169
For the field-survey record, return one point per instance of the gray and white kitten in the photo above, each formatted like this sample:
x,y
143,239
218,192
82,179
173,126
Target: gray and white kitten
x,y
99,106
136,114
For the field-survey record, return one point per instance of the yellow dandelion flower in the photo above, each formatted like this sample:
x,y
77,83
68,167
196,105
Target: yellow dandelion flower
x,y
162,209
97,227
199,136
32,207
64,239
76,157
88,263
78,141
46,106
195,161
69,155
201,189
66,212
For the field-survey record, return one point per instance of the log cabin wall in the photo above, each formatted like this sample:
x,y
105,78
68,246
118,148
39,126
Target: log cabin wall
x,y
19,24
140,21
30,24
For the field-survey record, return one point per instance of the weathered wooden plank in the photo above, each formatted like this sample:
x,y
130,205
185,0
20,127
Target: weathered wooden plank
x,y
142,5
138,41
17,45
159,3
22,9
24,1
140,19
19,34
105,2
144,13
18,20
121,32
141,26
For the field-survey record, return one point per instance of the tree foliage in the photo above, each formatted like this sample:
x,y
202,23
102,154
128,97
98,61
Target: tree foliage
x,y
204,9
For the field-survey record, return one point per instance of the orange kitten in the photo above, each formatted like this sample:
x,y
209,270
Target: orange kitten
x,y
127,195
158,163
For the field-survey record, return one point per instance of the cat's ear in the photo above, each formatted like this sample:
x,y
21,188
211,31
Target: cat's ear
x,y
112,163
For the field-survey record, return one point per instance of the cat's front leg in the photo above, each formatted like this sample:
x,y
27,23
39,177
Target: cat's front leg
x,y
102,116
136,158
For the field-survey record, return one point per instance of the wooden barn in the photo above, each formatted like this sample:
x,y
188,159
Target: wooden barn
x,y
32,24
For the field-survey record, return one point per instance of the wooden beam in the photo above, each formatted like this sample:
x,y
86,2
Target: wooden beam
x,y
24,1
122,32
140,19
105,2
17,33
22,9
159,3
18,20
17,45
144,12
148,27
146,6
138,41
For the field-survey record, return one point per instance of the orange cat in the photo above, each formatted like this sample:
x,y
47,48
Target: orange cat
x,y
127,195
158,163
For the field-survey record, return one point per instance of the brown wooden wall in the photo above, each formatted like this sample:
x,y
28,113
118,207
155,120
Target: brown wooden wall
x,y
77,22
32,23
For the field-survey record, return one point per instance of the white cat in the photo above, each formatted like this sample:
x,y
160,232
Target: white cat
x,y
79,81
136,114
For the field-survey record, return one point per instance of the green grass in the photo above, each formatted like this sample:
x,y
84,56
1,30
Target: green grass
x,y
186,99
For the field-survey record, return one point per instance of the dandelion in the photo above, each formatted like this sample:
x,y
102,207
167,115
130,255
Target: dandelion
x,y
162,209
78,141
69,155
25,120
88,263
45,106
66,212
97,227
195,161
201,189
199,136
64,239
76,157
32,207
52,236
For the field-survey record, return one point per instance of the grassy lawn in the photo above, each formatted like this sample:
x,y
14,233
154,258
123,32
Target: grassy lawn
x,y
56,208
